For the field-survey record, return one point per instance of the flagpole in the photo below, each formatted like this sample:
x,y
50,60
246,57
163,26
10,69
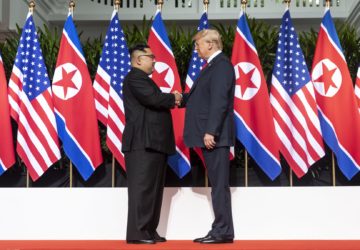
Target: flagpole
x,y
31,6
71,10
243,8
71,174
246,169
27,178
327,3
206,7
333,169
117,4
287,2
71,7
31,10
160,4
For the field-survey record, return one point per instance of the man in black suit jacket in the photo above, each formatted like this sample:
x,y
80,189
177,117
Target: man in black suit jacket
x,y
209,124
148,139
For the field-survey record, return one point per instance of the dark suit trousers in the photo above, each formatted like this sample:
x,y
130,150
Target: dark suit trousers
x,y
146,177
218,167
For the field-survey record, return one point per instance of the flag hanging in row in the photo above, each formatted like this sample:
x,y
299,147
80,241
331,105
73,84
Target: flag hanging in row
x,y
293,100
74,104
253,114
113,66
339,115
167,78
31,105
7,154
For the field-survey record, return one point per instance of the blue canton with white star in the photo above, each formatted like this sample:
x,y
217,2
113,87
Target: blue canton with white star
x,y
115,58
290,67
196,63
30,62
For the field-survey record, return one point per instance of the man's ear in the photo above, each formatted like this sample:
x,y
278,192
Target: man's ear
x,y
138,60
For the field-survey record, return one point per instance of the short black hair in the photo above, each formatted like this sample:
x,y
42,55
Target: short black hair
x,y
138,47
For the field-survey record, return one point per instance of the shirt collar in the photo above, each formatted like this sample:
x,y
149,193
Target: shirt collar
x,y
213,56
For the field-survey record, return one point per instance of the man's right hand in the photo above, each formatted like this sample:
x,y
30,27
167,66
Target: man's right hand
x,y
178,98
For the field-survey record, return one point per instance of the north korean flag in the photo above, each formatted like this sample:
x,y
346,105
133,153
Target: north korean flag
x,y
253,114
74,104
167,78
339,117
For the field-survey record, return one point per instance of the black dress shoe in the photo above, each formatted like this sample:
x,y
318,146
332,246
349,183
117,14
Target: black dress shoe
x,y
141,241
158,238
216,240
208,236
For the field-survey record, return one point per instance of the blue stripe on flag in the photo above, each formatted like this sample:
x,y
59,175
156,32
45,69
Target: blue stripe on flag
x,y
2,169
346,164
70,29
160,29
73,151
329,25
244,28
178,165
270,166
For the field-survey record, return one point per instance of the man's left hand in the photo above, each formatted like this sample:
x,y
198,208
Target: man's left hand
x,y
209,141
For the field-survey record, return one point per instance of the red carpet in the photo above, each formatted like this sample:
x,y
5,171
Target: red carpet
x,y
184,245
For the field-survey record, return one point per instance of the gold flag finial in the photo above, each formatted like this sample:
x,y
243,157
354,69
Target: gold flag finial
x,y
287,2
71,6
243,4
206,5
31,6
327,3
117,4
160,4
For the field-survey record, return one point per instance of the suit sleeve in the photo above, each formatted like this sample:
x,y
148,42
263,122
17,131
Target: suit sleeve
x,y
148,96
221,84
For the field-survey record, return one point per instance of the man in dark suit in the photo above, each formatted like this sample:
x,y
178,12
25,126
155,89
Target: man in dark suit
x,y
148,139
209,124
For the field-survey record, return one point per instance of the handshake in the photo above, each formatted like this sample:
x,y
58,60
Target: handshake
x,y
178,97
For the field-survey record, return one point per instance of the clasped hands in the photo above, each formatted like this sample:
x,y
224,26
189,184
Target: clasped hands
x,y
178,97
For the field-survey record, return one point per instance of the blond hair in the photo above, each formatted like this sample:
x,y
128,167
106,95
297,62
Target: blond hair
x,y
211,35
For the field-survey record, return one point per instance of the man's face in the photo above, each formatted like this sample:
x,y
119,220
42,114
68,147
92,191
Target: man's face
x,y
203,47
146,60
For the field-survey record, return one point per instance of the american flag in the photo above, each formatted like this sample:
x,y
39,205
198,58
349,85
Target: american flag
x,y
113,67
338,110
31,104
293,100
7,155
357,87
196,63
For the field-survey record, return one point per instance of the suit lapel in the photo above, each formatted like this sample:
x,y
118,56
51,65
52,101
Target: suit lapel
x,y
202,72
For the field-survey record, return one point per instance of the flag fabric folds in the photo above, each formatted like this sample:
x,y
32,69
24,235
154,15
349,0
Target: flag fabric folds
x,y
253,113
113,66
167,78
74,104
293,100
338,111
357,87
7,155
31,105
